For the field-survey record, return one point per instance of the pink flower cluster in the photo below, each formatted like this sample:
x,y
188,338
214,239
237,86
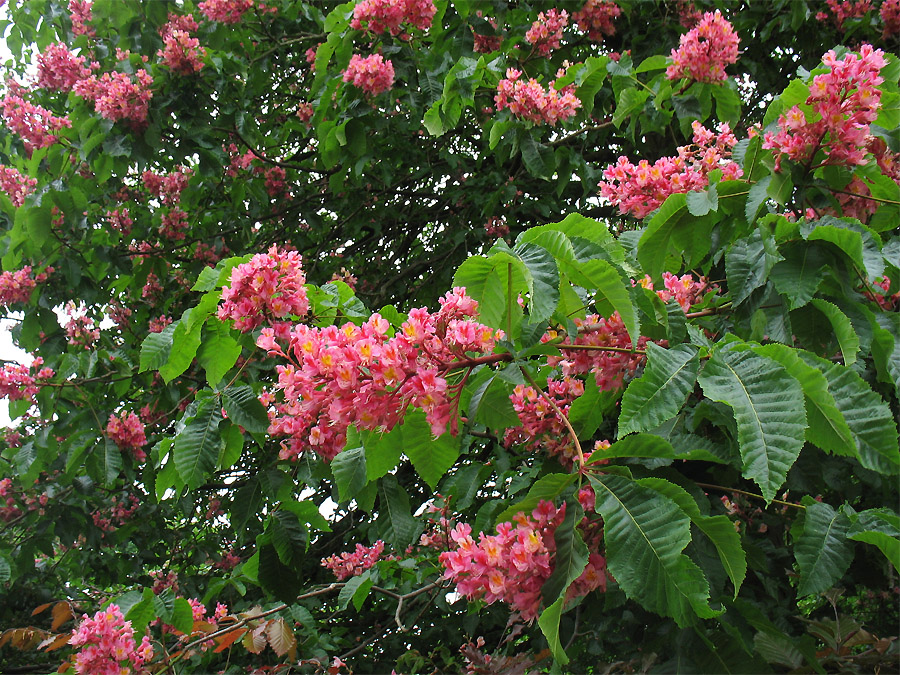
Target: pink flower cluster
x,y
58,69
513,564
158,325
34,124
225,11
116,96
119,513
16,185
107,644
889,303
545,33
359,375
23,382
348,565
127,432
845,101
80,331
267,289
372,74
528,100
596,18
17,286
120,220
638,189
841,10
182,53
890,17
389,15
174,225
81,13
688,14
684,290
705,50
167,187
541,426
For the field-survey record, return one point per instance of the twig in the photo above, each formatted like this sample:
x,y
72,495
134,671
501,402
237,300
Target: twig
x,y
748,494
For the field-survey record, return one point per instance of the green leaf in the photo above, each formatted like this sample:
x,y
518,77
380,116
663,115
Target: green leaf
x,y
543,281
493,407
646,446
843,329
110,460
549,625
182,616
881,528
645,534
243,407
702,202
768,407
601,277
382,450
631,100
349,470
196,448
402,529
758,195
668,378
748,263
822,551
538,158
798,276
155,349
886,348
865,412
653,246
218,352
361,585
571,555
826,428
547,488
431,456
185,341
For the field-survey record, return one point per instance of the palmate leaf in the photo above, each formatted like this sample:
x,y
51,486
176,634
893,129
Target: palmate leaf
x,y
660,392
822,550
867,415
645,534
769,411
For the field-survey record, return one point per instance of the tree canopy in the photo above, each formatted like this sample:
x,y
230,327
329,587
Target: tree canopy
x,y
444,335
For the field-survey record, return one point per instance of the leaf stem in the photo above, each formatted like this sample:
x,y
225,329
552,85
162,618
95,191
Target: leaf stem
x,y
748,494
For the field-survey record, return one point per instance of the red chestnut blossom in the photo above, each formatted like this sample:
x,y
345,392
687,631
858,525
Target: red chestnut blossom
x,y
158,325
358,375
152,288
513,564
704,51
348,565
305,112
841,10
529,101
182,53
889,303
890,16
267,289
120,220
34,124
167,187
638,189
119,513
545,33
844,101
18,382
116,96
80,331
119,314
16,185
372,74
80,14
688,14
174,225
596,18
275,184
225,11
389,15
17,286
127,432
58,69
107,644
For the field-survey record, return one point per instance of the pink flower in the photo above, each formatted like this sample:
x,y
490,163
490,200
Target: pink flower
x,y
34,124
127,432
705,50
107,644
348,565
372,74
378,16
16,287
59,69
16,185
545,33
841,10
116,96
225,11
890,16
596,18
530,101
80,14
182,53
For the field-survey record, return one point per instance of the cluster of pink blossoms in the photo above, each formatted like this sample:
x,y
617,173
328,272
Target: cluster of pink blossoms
x,y
118,513
81,12
80,331
174,225
359,375
845,101
127,432
638,189
120,220
267,289
705,50
688,14
389,15
513,564
182,53
158,325
169,186
596,18
890,17
685,290
116,96
348,565
23,382
17,286
528,100
841,10
545,33
372,74
34,124
107,644
225,11
16,185
59,69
